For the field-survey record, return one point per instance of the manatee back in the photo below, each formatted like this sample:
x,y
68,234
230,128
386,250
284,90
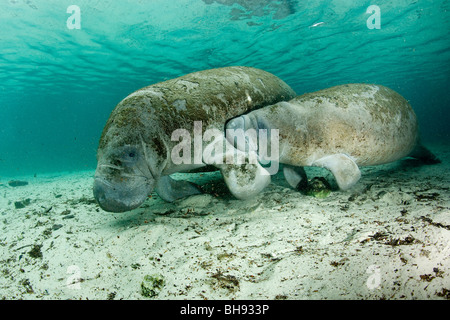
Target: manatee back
x,y
371,123
211,96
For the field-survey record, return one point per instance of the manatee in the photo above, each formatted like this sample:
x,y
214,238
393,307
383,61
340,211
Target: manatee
x,y
340,129
137,146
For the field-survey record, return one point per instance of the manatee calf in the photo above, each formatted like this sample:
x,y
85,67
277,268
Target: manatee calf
x,y
340,128
136,149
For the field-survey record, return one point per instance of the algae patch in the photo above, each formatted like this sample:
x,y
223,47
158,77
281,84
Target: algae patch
x,y
152,285
317,187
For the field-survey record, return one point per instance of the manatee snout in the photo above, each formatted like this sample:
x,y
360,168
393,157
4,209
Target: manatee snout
x,y
115,197
122,179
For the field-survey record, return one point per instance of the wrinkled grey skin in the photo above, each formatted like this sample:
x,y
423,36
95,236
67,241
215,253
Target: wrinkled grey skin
x,y
340,128
134,153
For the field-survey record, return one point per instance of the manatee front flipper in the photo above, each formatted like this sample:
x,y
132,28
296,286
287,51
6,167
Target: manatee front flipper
x,y
295,176
243,175
170,189
246,180
343,168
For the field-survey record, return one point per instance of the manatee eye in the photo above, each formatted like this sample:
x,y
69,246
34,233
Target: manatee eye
x,y
129,156
125,157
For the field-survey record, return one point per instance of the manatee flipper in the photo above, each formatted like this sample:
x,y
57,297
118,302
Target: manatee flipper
x,y
170,189
343,168
245,181
295,176
242,173
424,155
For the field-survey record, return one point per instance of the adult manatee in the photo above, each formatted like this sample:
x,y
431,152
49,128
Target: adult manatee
x,y
340,129
135,153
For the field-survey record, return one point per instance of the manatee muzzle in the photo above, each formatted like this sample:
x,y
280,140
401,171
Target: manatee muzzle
x,y
118,197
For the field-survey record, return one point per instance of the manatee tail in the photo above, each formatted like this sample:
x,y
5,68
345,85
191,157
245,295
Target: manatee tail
x,y
424,155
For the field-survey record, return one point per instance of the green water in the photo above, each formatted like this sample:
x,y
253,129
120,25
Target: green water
x,y
58,83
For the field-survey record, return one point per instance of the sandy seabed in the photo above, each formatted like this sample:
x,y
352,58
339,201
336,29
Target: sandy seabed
x,y
387,238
